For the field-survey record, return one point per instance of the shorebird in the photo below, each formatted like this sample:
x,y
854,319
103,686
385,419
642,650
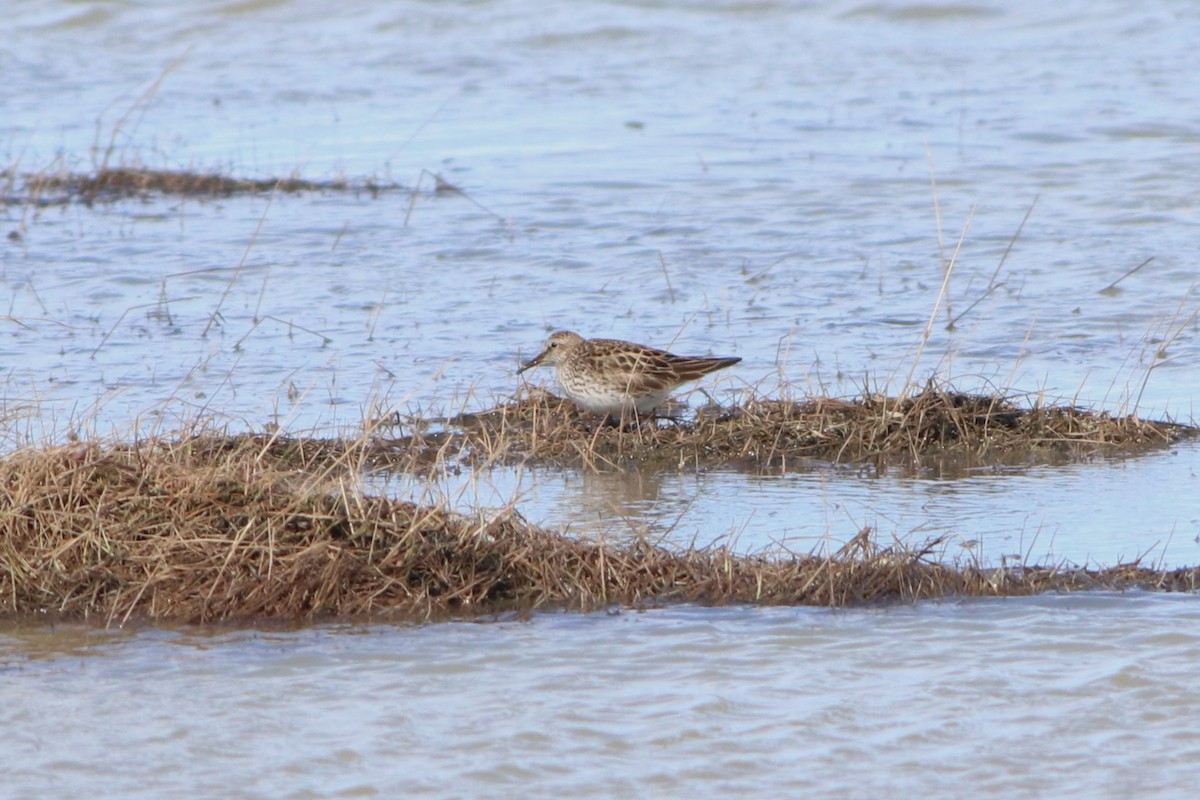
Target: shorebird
x,y
619,379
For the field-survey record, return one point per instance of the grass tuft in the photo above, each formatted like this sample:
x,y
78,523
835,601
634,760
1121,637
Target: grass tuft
x,y
765,434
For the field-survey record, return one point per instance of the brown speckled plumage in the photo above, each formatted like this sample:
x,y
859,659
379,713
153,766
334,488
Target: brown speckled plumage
x,y
615,378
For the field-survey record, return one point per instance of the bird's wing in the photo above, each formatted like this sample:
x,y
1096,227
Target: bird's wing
x,y
690,368
642,370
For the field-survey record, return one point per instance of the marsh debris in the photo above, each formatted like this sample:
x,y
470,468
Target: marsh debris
x,y
768,435
118,183
181,531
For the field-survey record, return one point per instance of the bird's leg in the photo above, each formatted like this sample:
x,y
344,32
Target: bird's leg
x,y
633,421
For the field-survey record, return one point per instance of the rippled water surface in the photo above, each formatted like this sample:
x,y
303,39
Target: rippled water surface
x,y
1078,696
784,182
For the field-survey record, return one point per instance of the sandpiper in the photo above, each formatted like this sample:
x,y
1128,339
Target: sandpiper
x,y
619,379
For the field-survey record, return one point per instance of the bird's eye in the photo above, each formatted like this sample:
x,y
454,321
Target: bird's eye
x,y
554,344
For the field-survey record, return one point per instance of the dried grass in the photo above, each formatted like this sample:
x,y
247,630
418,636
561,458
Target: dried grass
x,y
766,434
207,529
117,183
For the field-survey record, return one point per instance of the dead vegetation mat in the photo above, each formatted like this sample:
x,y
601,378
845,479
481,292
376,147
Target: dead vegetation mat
x,y
769,434
244,529
117,183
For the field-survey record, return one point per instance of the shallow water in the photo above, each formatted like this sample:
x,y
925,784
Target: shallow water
x,y
1074,696
1083,514
646,174
772,202
780,182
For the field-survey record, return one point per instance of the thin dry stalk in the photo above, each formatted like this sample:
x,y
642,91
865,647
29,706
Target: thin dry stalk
x,y
140,103
937,304
993,285
1174,329
1111,288
216,313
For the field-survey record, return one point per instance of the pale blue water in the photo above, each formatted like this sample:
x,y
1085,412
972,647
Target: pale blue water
x,y
777,181
1080,696
1094,513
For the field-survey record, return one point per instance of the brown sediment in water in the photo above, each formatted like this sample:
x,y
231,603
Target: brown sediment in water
x,y
207,529
114,183
767,434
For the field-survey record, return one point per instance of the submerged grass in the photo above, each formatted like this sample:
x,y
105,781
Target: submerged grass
x,y
129,181
203,529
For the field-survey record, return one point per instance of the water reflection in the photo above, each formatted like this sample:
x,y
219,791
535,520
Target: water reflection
x,y
625,502
1080,512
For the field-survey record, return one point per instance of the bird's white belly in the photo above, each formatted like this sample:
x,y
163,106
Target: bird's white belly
x,y
613,403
